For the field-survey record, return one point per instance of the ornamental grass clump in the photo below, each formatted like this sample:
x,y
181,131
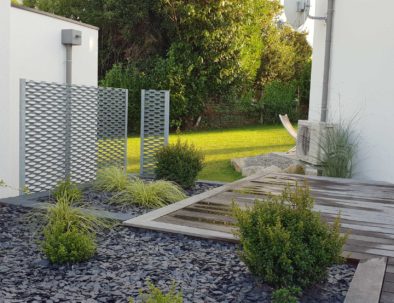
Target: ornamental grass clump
x,y
338,148
179,163
149,194
284,242
67,190
111,179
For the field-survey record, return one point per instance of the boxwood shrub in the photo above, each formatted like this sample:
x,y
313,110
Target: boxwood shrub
x,y
180,163
69,234
284,242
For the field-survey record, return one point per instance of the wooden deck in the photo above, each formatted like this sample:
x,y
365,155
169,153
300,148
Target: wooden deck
x,y
366,209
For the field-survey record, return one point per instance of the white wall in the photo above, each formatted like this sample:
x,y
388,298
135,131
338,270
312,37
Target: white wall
x,y
5,101
36,53
361,80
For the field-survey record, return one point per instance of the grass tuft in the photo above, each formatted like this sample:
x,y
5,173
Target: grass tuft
x,y
152,194
339,147
111,179
68,191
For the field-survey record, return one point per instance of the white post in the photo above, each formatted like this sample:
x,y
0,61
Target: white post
x,y
7,172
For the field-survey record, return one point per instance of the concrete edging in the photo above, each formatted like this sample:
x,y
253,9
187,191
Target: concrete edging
x,y
367,282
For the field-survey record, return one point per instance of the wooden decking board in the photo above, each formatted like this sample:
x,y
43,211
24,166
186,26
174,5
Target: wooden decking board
x,y
386,297
388,286
196,224
389,277
366,209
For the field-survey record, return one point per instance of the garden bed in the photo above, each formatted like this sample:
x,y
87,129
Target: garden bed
x,y
205,270
98,200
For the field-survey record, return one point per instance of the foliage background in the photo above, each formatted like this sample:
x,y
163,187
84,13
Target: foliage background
x,y
221,59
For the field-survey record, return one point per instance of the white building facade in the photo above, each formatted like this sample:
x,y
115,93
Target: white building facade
x,y
31,48
361,81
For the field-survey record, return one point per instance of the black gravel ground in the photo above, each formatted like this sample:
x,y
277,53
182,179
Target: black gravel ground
x,y
206,271
94,199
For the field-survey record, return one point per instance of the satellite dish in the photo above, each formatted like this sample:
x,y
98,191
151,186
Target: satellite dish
x,y
296,11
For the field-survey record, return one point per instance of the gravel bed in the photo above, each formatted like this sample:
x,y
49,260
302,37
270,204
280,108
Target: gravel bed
x,y
99,200
206,271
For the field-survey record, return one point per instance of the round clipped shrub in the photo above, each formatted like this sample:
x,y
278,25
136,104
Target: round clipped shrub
x,y
66,244
180,163
284,242
69,234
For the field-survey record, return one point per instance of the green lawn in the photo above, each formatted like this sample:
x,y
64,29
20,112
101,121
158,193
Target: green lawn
x,y
220,146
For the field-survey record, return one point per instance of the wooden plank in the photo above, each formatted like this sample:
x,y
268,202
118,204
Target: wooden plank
x,y
389,277
351,255
367,282
390,269
386,297
185,230
202,217
202,225
388,286
368,250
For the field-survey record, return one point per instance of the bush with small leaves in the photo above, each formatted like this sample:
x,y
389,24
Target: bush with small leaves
x,y
286,295
67,190
155,295
111,179
66,244
180,163
69,234
284,242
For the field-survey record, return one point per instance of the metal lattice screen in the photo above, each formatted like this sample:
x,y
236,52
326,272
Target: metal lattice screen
x,y
155,121
70,131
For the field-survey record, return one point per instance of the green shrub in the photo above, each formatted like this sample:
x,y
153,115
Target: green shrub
x,y
286,295
280,98
155,295
111,179
65,244
68,190
284,242
69,235
152,194
180,163
338,147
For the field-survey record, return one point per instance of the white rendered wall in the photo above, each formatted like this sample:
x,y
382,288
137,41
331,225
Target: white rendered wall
x,y
5,101
361,80
36,53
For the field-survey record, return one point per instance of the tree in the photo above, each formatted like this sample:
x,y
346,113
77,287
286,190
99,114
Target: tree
x,y
205,51
129,29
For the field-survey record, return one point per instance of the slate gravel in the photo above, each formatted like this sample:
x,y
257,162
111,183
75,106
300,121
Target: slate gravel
x,y
206,271
94,199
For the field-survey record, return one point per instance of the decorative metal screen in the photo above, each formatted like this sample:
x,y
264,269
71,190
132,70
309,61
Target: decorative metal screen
x,y
155,120
70,131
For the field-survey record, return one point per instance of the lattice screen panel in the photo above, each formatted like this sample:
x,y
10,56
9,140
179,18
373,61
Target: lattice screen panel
x,y
70,131
155,117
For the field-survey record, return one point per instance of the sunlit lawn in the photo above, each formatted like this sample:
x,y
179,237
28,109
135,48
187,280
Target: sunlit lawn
x,y
220,146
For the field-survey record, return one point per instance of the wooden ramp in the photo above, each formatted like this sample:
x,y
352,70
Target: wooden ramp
x,y
366,208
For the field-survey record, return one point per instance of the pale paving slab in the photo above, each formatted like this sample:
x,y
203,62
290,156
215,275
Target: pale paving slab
x,y
367,281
